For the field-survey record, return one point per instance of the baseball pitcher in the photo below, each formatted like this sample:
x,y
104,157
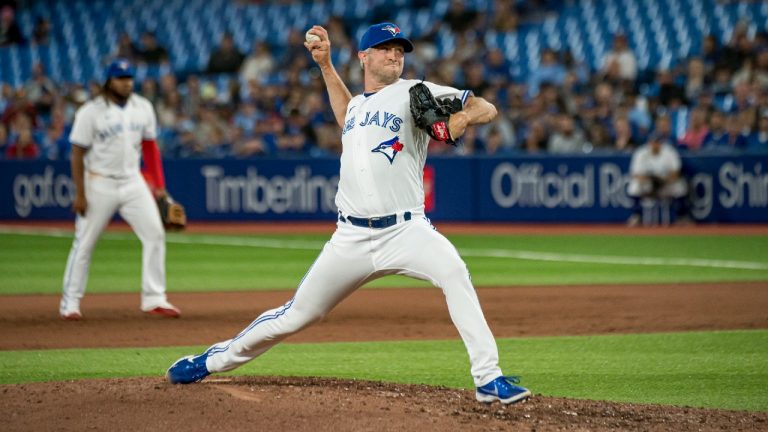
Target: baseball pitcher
x,y
381,227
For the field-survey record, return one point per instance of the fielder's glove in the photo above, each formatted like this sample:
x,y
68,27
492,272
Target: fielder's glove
x,y
657,184
432,115
173,215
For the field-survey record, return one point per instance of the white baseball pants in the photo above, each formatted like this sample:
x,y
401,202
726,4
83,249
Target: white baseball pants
x,y
354,256
133,199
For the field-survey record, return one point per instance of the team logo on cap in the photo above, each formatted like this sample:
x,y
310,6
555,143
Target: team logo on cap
x,y
395,30
123,65
389,148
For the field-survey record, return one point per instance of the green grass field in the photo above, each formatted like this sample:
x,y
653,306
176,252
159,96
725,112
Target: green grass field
x,y
713,369
35,263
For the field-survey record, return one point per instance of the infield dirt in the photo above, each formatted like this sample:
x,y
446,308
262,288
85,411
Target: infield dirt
x,y
313,404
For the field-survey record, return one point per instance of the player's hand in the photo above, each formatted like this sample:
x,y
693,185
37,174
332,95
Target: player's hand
x,y
160,193
320,50
457,124
80,205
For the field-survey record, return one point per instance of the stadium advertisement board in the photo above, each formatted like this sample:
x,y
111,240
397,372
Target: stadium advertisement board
x,y
510,189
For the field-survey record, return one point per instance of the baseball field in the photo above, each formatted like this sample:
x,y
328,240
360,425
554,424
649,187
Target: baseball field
x,y
611,328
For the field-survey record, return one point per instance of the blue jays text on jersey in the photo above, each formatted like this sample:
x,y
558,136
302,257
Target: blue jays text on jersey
x,y
116,128
385,120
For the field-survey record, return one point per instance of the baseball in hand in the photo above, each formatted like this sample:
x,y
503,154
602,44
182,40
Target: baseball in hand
x,y
311,37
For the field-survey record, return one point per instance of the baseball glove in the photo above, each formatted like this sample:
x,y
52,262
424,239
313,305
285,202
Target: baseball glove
x,y
657,184
431,114
173,215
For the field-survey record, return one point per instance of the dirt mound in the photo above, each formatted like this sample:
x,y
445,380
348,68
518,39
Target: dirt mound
x,y
318,404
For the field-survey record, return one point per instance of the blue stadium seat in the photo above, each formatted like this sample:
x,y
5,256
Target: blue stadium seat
x,y
84,32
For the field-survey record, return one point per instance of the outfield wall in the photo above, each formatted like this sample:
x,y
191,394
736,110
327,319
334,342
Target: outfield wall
x,y
510,189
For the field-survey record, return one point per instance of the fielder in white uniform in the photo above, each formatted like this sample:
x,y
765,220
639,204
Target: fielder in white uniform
x,y
656,173
109,135
381,228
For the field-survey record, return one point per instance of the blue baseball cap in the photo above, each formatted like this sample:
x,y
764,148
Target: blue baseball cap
x,y
377,34
120,68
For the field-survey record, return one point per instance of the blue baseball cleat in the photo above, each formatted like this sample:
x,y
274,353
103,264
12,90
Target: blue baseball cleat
x,y
502,389
187,370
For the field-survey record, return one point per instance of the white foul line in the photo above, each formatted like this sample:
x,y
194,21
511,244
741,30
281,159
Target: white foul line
x,y
480,253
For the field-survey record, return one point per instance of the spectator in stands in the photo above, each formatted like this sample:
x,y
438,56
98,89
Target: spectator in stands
x,y
695,79
697,130
296,136
19,109
126,48
458,17
41,91
151,52
168,84
740,99
6,97
259,63
598,138
41,33
10,33
620,64
550,71
738,49
339,33
149,90
662,127
226,58
721,85
568,138
758,141
497,67
761,68
748,121
169,109
638,115
725,134
474,77
23,147
717,135
328,140
3,139
656,173
213,132
506,19
191,96
54,143
710,52
245,147
671,95
623,140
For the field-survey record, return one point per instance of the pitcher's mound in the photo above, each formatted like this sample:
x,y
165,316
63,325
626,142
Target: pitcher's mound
x,y
322,404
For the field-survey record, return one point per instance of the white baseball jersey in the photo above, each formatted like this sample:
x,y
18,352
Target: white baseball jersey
x,y
644,162
381,149
381,174
113,182
113,134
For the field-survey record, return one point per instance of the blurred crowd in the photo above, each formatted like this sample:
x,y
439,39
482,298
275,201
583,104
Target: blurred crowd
x,y
271,101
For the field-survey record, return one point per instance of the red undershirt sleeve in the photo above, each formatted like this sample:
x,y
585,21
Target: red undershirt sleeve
x,y
153,166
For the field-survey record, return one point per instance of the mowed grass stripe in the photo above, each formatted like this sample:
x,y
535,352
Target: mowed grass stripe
x,y
272,243
34,264
716,369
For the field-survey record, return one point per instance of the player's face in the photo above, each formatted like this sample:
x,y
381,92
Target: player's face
x,y
385,62
123,86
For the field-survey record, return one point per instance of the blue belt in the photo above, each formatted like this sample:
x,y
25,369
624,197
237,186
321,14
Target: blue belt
x,y
376,222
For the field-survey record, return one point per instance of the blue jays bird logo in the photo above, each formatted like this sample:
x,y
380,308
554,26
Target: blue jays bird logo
x,y
389,148
392,29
